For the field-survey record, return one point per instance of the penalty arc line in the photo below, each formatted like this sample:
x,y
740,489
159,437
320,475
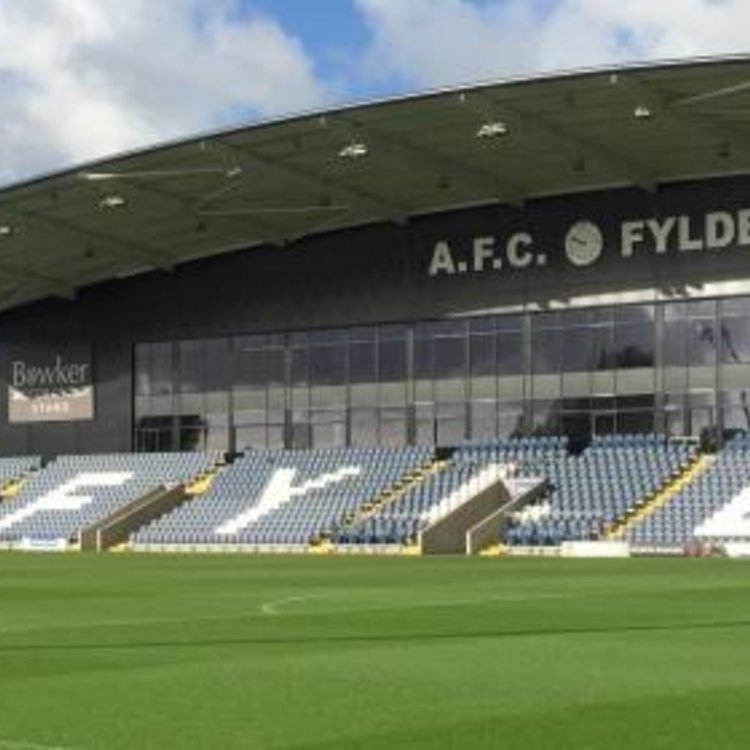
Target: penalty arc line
x,y
272,608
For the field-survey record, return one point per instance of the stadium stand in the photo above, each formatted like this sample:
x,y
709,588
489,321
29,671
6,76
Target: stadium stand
x,y
679,522
13,471
74,491
648,490
400,521
600,487
285,497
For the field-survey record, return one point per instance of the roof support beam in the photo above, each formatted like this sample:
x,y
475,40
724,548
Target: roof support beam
x,y
441,164
712,95
231,181
46,283
556,133
375,205
105,242
659,105
263,231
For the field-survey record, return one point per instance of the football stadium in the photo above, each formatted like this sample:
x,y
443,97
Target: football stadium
x,y
344,430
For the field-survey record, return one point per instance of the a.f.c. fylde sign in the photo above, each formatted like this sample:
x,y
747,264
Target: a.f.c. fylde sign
x,y
584,243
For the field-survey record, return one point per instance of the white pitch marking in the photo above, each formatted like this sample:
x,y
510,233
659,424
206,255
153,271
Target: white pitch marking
x,y
12,745
272,608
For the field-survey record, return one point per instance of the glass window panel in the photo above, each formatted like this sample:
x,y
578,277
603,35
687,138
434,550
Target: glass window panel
x,y
702,308
546,419
635,402
736,411
301,433
216,368
576,353
701,344
142,368
251,368
275,367
482,356
391,361
602,347
327,365
275,436
162,369
362,363
190,403
577,426
142,406
483,419
449,357
328,396
276,397
328,429
393,427
364,427
482,366
453,328
299,369
425,423
192,364
394,331
735,340
675,311
362,333
250,437
485,324
546,320
509,353
364,394
423,368
451,430
546,351
634,345
739,306
510,420
675,342
509,322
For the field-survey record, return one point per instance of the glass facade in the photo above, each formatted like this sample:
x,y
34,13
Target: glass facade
x,y
680,367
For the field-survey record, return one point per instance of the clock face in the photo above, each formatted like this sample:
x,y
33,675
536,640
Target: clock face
x,y
584,243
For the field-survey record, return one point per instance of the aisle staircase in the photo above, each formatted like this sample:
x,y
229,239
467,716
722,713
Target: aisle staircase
x,y
396,491
665,495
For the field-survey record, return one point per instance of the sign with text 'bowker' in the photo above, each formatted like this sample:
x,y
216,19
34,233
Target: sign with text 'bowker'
x,y
50,385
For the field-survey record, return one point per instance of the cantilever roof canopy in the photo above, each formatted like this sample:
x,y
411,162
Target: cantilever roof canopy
x,y
276,182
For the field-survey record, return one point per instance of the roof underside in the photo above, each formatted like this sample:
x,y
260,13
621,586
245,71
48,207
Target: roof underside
x,y
276,183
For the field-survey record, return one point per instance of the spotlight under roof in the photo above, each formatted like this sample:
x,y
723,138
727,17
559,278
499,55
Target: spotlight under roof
x,y
354,150
494,129
112,201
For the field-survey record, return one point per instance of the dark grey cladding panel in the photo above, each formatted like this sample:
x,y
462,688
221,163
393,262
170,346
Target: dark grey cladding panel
x,y
380,273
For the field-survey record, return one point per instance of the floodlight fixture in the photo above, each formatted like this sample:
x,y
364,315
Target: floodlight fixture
x,y
112,201
493,129
354,150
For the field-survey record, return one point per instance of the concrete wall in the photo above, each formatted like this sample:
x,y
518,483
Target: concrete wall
x,y
118,527
489,530
447,536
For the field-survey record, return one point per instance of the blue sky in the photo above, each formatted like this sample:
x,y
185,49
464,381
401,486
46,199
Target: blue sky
x,y
80,79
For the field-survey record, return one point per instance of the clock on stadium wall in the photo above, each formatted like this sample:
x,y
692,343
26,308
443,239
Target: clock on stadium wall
x,y
584,243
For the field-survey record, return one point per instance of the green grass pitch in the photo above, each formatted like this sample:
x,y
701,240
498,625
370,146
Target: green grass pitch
x,y
342,653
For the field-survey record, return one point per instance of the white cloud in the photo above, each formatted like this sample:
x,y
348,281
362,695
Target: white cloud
x,y
439,42
86,78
